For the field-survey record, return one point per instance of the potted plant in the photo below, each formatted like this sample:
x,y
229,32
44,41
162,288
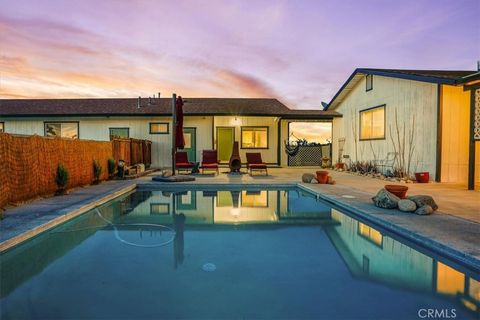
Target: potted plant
x,y
398,190
61,179
111,168
422,177
322,176
97,171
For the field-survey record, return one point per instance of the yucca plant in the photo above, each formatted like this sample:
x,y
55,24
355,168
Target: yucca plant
x,y
97,171
62,178
111,167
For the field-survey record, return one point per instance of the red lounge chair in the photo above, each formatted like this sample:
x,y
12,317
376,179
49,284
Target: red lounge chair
x,y
182,163
209,160
254,162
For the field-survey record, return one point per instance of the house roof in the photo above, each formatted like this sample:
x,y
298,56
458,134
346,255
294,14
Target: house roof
x,y
451,77
157,107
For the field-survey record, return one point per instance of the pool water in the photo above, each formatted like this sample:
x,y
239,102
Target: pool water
x,y
228,254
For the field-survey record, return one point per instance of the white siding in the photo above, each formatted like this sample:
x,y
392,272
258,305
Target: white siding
x,y
408,98
268,155
97,128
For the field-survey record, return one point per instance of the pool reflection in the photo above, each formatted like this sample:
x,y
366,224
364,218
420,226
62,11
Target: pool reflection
x,y
368,253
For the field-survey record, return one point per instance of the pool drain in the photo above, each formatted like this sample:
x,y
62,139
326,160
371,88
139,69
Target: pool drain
x,y
209,267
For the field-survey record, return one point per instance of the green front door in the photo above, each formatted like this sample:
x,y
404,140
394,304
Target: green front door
x,y
190,143
225,138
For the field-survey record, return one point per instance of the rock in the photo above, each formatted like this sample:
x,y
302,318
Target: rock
x,y
407,205
307,177
329,180
424,210
167,173
422,200
332,182
385,199
314,181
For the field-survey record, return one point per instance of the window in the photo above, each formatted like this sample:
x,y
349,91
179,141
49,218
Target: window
x,y
370,234
368,82
254,138
119,133
61,129
159,127
372,123
160,208
255,199
2,127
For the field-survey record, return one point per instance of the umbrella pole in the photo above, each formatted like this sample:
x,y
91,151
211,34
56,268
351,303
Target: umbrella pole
x,y
174,130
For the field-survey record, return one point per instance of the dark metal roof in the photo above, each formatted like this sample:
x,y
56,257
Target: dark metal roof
x,y
451,77
153,107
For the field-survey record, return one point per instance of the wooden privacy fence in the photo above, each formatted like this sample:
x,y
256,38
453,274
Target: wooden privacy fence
x,y
132,151
28,164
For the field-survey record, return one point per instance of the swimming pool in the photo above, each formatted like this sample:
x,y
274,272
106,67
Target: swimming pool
x,y
236,253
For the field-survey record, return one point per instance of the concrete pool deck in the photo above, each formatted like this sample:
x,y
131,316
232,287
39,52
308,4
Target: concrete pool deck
x,y
28,220
455,226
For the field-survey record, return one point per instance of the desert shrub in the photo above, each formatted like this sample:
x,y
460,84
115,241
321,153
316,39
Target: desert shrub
x,y
111,167
62,177
97,171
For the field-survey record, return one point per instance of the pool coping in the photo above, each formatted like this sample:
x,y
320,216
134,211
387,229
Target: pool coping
x,y
18,239
435,246
417,238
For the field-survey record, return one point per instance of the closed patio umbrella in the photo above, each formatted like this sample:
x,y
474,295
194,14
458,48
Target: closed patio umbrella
x,y
179,139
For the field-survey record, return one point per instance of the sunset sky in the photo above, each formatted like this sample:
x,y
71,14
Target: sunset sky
x,y
297,51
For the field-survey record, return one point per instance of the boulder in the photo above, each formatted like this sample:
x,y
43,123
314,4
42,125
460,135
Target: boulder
x,y
407,205
167,173
385,199
424,210
314,181
422,200
307,177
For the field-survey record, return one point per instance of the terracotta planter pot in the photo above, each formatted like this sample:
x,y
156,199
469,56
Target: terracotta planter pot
x,y
399,191
422,177
322,176
340,165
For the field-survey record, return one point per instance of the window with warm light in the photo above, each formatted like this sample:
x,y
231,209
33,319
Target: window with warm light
x,y
255,199
159,127
449,280
254,138
61,129
2,127
370,234
119,133
372,123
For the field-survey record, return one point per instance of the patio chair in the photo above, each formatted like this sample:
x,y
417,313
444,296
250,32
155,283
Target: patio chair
x,y
209,160
182,163
255,163
388,162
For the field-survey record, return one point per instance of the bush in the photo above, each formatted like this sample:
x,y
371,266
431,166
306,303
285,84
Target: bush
x,y
62,177
363,167
111,167
97,171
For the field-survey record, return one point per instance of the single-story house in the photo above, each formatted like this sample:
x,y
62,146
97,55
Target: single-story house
x,y
439,111
259,125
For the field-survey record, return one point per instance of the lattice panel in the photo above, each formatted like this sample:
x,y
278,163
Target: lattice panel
x,y
309,156
476,127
